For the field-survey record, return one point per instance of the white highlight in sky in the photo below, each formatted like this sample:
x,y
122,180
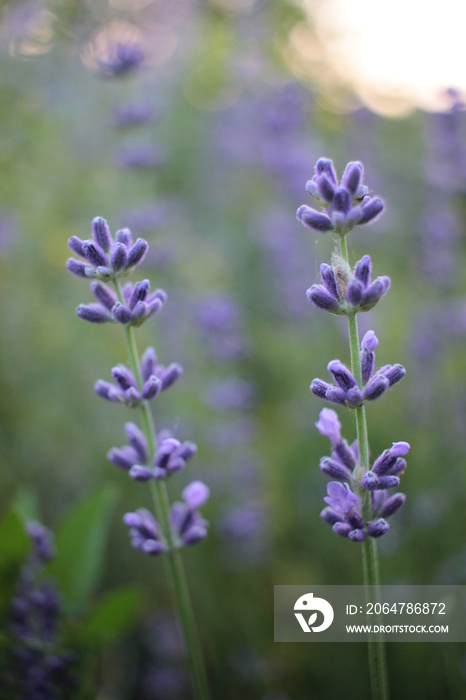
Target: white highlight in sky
x,y
411,49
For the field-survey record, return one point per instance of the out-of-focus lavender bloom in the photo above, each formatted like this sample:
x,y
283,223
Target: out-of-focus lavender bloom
x,y
220,322
346,391
134,114
187,523
144,532
141,156
40,668
104,257
121,59
230,395
346,204
340,292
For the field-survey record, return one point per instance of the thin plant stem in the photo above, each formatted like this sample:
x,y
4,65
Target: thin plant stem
x,y
173,562
370,562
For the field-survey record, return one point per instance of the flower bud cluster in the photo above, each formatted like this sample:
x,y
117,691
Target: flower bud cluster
x,y
188,526
346,204
340,292
344,509
346,390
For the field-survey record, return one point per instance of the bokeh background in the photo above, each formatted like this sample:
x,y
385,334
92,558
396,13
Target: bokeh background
x,y
197,123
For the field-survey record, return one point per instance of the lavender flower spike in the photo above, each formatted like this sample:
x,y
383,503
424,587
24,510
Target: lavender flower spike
x,y
148,457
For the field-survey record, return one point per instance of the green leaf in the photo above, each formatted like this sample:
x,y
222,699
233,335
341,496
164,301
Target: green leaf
x,y
111,616
14,548
80,543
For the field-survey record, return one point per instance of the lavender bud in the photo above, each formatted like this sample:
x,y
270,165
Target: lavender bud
x,y
123,377
355,519
378,528
342,529
148,363
151,388
334,469
121,313
187,450
137,252
94,254
171,375
336,395
195,534
322,298
357,535
389,482
370,481
371,210
329,280
329,515
392,504
325,188
372,295
139,313
154,306
369,342
94,313
313,219
395,374
76,245
354,292
319,388
324,166
76,267
342,375
124,236
345,454
141,290
195,494
342,201
166,449
119,257
398,467
375,387
124,458
137,440
106,391
352,177
101,233
140,473
362,270
102,273
354,397
132,397
103,294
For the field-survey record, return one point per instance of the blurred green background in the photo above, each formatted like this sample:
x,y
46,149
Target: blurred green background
x,y
204,149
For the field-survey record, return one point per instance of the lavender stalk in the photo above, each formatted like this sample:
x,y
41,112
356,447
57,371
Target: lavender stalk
x,y
147,458
356,509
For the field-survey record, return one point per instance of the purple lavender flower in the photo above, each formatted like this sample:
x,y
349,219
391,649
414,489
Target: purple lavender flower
x,y
104,257
346,391
187,523
341,292
346,204
145,532
344,511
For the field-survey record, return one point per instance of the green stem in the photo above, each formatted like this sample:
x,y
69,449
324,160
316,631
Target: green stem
x,y
173,561
370,562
